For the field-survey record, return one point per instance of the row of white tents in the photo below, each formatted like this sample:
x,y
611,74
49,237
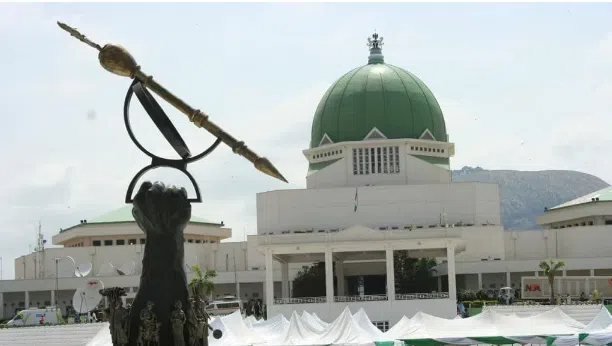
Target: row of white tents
x,y
552,327
489,327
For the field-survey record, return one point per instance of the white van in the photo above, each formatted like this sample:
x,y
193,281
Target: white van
x,y
225,306
32,316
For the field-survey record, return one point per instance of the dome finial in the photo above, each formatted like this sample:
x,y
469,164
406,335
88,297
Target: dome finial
x,y
375,43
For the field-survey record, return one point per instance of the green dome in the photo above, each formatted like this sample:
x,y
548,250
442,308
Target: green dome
x,y
381,96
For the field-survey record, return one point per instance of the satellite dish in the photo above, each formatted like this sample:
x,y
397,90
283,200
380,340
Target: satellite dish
x,y
87,298
107,269
82,270
127,268
65,267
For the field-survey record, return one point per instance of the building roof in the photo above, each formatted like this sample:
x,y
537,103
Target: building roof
x,y
603,195
124,214
381,96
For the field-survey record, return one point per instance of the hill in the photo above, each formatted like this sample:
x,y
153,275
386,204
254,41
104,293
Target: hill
x,y
524,194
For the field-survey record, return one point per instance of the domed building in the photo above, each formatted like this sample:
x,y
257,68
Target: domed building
x,y
378,181
378,122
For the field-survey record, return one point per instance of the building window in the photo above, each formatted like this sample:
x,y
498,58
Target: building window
x,y
190,241
360,160
132,242
120,241
397,159
96,243
198,241
384,156
108,242
354,161
367,161
213,241
382,325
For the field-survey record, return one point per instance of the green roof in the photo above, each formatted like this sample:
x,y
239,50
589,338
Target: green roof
x,y
604,195
380,96
124,214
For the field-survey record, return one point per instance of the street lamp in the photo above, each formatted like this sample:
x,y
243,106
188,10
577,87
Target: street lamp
x,y
56,259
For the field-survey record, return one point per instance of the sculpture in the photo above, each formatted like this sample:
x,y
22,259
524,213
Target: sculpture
x,y
117,315
121,324
192,323
162,213
178,322
149,329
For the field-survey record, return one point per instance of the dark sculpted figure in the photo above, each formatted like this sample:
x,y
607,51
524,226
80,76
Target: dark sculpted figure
x,y
177,320
117,315
162,213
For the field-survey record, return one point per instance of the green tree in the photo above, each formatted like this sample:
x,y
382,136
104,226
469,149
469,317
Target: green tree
x,y
310,281
201,285
551,269
412,275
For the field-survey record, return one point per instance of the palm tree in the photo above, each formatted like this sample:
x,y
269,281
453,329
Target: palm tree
x,y
201,285
550,269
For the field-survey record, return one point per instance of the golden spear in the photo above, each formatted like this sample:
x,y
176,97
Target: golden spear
x,y
119,61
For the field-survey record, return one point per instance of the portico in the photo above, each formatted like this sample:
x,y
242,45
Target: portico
x,y
359,245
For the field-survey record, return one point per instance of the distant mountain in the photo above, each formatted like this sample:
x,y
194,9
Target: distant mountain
x,y
525,194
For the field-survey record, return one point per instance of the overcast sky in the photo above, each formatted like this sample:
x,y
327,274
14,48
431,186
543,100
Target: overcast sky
x,y
522,86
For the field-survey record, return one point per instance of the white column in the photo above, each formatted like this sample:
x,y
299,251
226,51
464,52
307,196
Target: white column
x,y
340,277
536,273
27,299
1,305
285,279
508,279
269,283
592,272
390,275
452,284
564,273
53,297
329,276
439,283
480,287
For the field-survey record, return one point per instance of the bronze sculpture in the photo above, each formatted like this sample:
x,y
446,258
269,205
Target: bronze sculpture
x,y
149,328
119,61
117,315
162,213
178,322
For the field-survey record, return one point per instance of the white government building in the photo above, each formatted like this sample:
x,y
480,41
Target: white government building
x,y
379,180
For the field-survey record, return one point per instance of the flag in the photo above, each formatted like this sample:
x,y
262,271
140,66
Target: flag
x,y
356,198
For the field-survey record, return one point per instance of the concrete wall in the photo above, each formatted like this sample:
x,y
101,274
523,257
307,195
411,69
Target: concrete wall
x,y
412,170
574,242
419,205
376,311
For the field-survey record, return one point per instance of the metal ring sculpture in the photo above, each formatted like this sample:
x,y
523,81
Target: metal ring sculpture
x,y
165,126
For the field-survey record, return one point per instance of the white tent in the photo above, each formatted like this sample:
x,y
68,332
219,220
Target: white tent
x,y
598,332
487,327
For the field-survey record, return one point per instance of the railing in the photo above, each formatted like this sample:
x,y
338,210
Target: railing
x,y
364,298
413,296
303,300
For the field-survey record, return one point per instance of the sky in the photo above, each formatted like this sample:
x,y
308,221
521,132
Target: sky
x,y
522,86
